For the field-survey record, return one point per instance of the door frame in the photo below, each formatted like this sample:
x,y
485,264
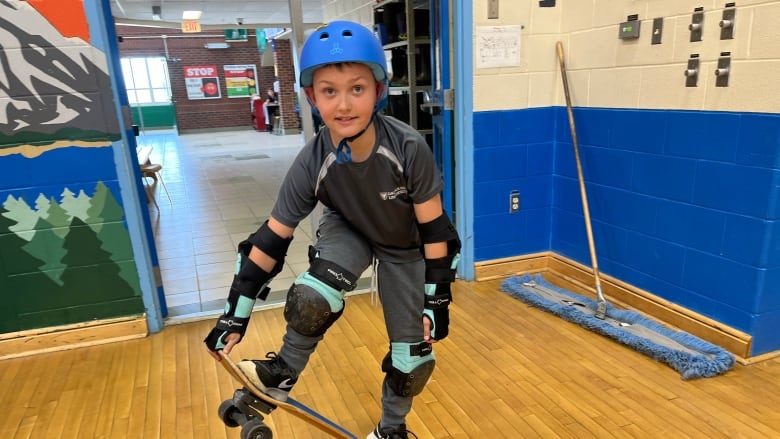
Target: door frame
x,y
128,172
458,175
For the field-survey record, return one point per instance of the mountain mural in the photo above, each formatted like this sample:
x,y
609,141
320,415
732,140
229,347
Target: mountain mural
x,y
52,88
65,250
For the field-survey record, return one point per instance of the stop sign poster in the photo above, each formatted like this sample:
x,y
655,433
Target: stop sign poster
x,y
202,82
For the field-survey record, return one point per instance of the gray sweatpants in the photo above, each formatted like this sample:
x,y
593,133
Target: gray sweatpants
x,y
401,290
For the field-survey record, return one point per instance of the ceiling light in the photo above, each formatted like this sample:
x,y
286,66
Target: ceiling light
x,y
191,15
216,45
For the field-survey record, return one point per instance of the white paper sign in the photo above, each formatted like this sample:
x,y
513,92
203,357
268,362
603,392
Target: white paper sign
x,y
498,46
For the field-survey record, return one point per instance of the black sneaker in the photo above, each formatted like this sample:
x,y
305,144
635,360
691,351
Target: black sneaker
x,y
391,433
273,376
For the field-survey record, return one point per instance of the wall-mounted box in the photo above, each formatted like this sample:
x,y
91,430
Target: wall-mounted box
x,y
629,30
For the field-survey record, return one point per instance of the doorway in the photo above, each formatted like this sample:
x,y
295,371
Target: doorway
x,y
149,91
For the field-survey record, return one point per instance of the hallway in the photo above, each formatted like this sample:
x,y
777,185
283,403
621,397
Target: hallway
x,y
222,187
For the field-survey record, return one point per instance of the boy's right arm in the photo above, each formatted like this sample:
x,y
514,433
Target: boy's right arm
x,y
260,258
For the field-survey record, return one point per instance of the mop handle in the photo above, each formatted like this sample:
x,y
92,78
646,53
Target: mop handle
x,y
584,195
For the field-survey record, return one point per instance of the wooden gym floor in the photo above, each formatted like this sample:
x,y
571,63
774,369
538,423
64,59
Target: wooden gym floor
x,y
506,371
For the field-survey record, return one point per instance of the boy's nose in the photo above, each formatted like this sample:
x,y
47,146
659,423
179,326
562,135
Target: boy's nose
x,y
344,102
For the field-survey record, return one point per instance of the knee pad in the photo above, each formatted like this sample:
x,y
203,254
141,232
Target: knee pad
x,y
312,306
408,367
315,301
331,273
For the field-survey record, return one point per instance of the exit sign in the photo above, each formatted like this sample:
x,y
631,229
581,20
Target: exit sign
x,y
190,26
236,35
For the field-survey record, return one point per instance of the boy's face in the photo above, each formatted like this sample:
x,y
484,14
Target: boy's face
x,y
345,95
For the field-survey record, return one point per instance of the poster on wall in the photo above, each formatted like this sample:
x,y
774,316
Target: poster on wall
x,y
240,80
498,46
202,82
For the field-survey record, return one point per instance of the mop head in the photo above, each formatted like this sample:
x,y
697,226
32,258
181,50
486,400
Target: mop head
x,y
691,356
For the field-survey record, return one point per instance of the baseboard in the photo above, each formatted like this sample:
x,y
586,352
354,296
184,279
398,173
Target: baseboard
x,y
578,278
60,338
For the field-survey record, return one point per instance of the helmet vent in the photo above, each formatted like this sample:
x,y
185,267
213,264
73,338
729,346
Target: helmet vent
x,y
347,33
324,36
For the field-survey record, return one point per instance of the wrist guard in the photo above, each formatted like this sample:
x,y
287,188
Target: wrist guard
x,y
249,283
439,274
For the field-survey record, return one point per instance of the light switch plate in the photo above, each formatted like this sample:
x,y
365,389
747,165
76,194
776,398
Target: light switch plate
x,y
492,9
658,30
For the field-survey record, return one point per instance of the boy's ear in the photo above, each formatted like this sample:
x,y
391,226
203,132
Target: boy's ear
x,y
380,90
309,95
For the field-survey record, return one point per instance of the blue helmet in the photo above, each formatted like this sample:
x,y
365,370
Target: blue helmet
x,y
344,42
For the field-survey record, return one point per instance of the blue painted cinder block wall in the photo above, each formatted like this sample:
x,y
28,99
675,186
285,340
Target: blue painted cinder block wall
x,y
684,204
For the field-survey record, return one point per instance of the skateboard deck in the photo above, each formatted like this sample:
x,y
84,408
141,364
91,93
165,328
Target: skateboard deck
x,y
291,406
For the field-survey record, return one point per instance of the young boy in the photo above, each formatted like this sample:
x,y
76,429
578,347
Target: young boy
x,y
379,183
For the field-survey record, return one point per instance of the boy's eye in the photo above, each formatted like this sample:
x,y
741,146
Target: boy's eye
x,y
329,91
357,88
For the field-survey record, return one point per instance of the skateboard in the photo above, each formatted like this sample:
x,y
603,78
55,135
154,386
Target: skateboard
x,y
249,404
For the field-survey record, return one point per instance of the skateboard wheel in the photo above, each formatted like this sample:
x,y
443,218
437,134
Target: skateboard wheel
x,y
226,412
256,429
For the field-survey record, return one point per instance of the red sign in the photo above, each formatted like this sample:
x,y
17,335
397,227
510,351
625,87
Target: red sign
x,y
202,82
200,71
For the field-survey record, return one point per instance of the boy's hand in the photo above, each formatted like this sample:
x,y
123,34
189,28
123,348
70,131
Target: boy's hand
x,y
225,344
427,330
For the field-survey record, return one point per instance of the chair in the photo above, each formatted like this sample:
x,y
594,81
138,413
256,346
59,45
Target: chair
x,y
152,170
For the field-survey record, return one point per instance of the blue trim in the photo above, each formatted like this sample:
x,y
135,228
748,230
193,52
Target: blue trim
x,y
676,209
128,175
464,135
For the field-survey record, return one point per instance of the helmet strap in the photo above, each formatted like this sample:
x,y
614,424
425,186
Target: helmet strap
x,y
343,151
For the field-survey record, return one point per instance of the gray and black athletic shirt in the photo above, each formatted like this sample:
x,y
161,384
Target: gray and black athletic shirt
x,y
375,196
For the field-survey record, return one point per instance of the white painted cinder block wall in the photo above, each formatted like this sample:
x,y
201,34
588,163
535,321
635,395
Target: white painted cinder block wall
x,y
607,72
361,11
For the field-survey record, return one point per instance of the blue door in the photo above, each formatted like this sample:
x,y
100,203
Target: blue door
x,y
440,102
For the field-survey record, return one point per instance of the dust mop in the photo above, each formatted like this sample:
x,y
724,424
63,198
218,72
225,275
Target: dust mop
x,y
687,354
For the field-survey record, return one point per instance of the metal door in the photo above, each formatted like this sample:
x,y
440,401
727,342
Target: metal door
x,y
439,103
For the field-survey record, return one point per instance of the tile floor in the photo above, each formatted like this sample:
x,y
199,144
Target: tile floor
x,y
222,186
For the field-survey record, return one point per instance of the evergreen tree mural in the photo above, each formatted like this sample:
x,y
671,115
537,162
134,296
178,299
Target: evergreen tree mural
x,y
47,246
41,203
106,217
25,217
92,285
82,205
75,205
58,218
22,285
103,208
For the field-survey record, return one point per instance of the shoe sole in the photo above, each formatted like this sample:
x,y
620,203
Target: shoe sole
x,y
248,370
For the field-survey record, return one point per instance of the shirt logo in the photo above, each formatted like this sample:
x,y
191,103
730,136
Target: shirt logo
x,y
393,194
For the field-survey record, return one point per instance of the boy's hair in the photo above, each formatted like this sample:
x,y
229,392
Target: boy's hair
x,y
342,42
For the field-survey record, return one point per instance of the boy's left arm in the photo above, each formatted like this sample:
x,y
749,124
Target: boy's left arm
x,y
442,252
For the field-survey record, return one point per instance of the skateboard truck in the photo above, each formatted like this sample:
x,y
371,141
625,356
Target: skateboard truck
x,y
247,410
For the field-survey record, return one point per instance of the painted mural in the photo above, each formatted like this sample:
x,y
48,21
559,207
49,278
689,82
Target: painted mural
x,y
65,252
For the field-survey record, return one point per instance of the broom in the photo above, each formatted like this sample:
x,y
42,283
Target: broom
x,y
687,354
601,308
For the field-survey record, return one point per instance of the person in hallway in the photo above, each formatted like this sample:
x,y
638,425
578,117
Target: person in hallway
x,y
380,186
270,106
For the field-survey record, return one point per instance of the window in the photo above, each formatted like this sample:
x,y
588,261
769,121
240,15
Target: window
x,y
146,80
